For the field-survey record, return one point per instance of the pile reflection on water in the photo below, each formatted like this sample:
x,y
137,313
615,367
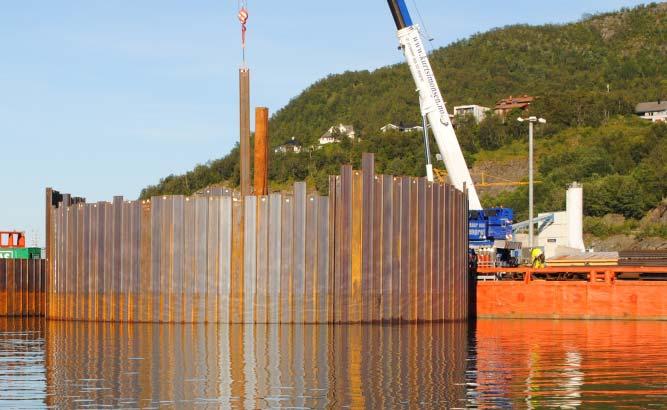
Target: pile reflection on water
x,y
524,364
262,366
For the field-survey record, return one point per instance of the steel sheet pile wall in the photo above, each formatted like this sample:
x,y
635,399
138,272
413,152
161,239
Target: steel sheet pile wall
x,y
378,248
22,287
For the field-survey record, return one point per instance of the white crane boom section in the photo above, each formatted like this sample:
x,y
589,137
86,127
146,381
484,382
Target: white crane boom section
x,y
433,107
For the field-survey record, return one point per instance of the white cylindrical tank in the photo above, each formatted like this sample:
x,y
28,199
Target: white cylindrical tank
x,y
575,216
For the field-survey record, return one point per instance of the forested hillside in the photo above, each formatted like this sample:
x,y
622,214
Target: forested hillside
x,y
569,66
588,76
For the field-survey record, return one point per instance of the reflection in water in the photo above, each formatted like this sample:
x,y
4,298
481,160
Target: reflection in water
x,y
510,364
149,365
544,363
22,381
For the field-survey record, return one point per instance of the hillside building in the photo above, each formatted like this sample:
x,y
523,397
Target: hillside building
x,y
504,106
402,127
476,111
655,111
290,146
334,134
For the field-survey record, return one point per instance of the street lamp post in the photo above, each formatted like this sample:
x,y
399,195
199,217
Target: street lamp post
x,y
531,122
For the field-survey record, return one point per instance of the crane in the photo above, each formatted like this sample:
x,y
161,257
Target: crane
x,y
431,102
489,230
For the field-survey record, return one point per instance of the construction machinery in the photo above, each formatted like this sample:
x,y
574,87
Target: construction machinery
x,y
489,230
12,239
431,102
490,234
12,246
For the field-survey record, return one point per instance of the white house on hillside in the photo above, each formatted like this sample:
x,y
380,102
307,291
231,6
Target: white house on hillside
x,y
334,133
290,146
654,110
402,128
476,111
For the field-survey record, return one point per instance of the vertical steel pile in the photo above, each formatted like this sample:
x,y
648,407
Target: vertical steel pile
x,y
22,287
377,249
261,174
244,121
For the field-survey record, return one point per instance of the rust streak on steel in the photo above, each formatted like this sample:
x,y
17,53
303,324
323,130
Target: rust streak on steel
x,y
236,280
413,272
250,256
286,257
21,285
299,255
367,241
387,285
395,245
405,240
332,265
48,226
377,260
275,254
355,313
261,151
422,246
262,277
309,301
323,257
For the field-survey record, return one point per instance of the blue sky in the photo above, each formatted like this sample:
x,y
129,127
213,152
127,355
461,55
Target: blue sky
x,y
101,98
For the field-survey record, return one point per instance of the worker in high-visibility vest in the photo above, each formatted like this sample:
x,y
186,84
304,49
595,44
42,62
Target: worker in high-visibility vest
x,y
537,257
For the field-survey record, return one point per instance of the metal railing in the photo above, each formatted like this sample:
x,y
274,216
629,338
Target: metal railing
x,y
593,274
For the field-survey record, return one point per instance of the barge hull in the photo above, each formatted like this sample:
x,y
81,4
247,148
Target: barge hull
x,y
625,300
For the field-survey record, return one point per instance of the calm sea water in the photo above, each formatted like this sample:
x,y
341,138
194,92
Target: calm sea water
x,y
494,364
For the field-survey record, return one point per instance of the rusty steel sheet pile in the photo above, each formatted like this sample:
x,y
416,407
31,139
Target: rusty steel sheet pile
x,y
379,248
22,287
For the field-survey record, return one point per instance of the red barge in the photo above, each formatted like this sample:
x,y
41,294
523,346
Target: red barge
x,y
599,292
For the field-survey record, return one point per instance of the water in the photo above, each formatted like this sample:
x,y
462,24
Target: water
x,y
495,364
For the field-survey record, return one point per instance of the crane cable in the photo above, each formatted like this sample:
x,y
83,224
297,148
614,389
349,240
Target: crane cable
x,y
425,32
